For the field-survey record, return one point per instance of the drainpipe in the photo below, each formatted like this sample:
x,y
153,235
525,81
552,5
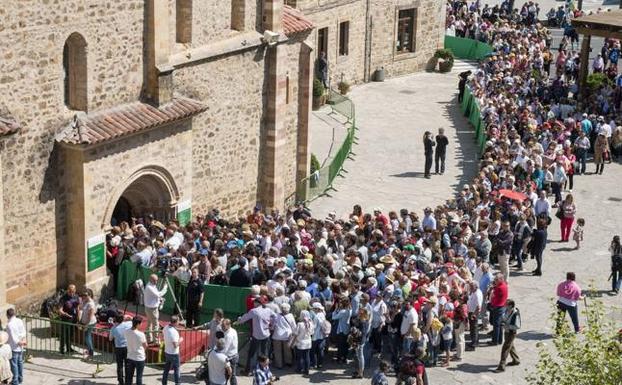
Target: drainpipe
x,y
368,34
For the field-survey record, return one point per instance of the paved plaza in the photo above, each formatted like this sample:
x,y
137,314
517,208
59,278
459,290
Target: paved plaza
x,y
386,172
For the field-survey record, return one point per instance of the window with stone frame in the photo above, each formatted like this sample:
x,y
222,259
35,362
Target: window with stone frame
x,y
183,21
76,72
406,30
344,38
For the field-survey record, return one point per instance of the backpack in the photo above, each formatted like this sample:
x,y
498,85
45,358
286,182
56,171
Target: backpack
x,y
202,372
408,366
326,328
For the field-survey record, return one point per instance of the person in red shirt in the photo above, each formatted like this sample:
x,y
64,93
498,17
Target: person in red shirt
x,y
498,297
380,217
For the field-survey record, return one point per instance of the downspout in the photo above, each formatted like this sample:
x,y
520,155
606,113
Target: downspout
x,y
368,32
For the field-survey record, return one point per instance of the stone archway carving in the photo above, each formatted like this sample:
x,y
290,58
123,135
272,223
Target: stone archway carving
x,y
149,188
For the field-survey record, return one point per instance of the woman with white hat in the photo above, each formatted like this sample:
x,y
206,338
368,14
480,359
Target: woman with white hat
x,y
5,357
284,326
302,342
319,336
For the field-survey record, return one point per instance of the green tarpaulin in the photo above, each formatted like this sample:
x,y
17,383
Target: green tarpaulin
x,y
470,108
467,48
231,299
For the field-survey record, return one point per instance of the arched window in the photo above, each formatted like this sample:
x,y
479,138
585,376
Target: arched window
x,y
75,66
183,21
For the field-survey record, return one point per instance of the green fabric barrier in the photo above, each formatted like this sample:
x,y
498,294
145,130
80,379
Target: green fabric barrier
x,y
470,108
231,299
467,48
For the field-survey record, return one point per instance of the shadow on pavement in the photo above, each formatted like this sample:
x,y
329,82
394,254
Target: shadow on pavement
x,y
533,335
597,293
409,174
467,153
563,249
471,368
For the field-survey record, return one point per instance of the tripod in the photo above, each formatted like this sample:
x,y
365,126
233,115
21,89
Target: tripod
x,y
181,314
137,299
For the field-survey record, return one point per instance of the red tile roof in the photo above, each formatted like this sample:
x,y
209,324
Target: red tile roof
x,y
294,21
126,119
8,126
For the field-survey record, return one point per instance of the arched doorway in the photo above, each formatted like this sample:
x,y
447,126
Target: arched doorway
x,y
149,191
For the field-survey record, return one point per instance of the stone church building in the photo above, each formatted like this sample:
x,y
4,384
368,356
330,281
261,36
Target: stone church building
x,y
119,108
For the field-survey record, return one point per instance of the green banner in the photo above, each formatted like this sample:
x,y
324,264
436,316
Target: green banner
x,y
96,252
184,217
184,213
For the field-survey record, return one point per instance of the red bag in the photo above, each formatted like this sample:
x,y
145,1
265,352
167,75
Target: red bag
x,y
606,156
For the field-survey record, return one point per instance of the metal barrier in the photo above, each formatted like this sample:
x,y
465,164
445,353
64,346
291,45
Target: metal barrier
x,y
51,337
46,336
321,181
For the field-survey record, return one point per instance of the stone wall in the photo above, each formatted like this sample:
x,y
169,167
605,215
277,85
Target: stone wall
x,y
32,36
226,137
291,117
428,36
330,15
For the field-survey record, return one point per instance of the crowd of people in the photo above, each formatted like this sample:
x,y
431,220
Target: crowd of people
x,y
397,286
409,291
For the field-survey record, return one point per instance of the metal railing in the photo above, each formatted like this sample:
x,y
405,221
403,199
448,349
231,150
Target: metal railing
x,y
52,337
321,181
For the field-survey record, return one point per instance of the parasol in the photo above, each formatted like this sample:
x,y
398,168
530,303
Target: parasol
x,y
511,194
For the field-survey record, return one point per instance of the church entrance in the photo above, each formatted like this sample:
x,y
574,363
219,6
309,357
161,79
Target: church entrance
x,y
148,194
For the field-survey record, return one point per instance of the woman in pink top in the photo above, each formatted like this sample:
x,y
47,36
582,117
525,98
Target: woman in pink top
x,y
568,293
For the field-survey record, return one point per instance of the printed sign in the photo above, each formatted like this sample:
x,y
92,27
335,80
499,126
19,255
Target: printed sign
x,y
184,212
95,252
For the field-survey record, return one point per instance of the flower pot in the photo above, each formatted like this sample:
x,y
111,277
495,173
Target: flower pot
x,y
318,101
445,66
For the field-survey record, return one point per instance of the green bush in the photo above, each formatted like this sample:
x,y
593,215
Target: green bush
x,y
591,357
445,54
318,88
315,165
597,80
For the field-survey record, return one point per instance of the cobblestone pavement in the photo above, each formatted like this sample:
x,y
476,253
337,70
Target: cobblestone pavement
x,y
392,117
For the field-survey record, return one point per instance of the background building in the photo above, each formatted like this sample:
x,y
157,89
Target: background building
x,y
118,108
361,36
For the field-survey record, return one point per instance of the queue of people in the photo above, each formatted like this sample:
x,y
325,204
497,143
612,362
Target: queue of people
x,y
410,292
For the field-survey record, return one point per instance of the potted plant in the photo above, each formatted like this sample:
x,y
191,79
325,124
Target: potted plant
x,y
319,97
315,166
445,59
344,87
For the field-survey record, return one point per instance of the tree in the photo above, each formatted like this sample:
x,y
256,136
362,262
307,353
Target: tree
x,y
592,357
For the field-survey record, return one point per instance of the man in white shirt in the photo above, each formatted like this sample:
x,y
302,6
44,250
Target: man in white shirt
x,y
153,298
231,349
474,306
542,205
218,364
172,341
17,340
136,356
410,317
